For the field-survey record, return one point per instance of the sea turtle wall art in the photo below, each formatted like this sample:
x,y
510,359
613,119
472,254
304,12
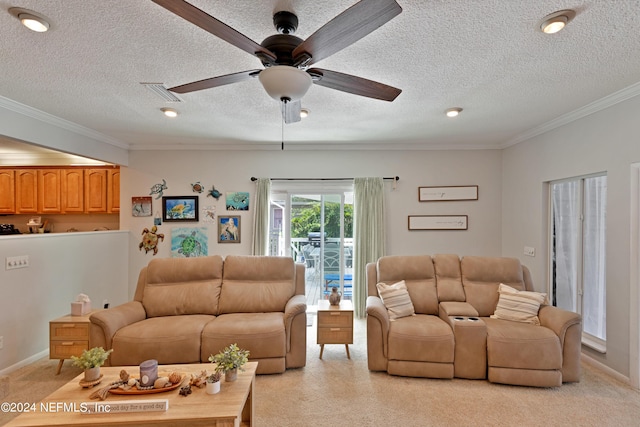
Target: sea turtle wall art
x,y
187,242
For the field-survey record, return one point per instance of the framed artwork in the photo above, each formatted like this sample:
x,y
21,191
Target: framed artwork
x,y
180,208
447,193
237,201
228,229
141,206
187,242
438,222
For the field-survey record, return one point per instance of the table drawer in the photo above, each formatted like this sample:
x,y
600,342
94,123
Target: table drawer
x,y
335,335
335,319
66,349
69,331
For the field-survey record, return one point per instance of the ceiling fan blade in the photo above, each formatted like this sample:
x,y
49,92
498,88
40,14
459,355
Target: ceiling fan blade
x,y
217,28
353,84
291,111
215,81
345,29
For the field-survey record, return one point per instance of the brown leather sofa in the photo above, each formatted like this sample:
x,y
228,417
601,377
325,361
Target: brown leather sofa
x,y
452,333
185,309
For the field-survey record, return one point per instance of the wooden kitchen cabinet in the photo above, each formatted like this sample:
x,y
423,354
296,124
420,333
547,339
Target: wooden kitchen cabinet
x,y
7,191
95,190
49,190
72,190
113,191
26,191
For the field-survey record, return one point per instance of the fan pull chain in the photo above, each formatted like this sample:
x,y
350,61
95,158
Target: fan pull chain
x,y
282,134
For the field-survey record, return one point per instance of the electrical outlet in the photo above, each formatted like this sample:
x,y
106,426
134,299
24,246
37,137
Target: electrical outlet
x,y
13,262
529,251
1,343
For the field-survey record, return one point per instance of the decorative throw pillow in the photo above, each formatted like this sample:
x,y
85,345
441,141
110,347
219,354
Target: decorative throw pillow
x,y
396,299
518,306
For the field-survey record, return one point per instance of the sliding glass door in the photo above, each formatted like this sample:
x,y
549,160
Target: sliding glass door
x,y
316,229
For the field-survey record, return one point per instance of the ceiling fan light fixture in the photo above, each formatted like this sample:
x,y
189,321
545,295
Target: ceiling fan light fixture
x,y
285,82
556,21
453,112
30,19
169,112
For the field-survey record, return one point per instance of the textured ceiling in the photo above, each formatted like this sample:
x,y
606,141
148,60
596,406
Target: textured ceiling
x,y
486,56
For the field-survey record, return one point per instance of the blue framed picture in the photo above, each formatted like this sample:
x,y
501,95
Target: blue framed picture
x,y
228,229
180,208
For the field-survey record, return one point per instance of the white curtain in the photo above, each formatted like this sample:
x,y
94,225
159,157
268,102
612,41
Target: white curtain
x,y
594,269
566,215
368,235
260,241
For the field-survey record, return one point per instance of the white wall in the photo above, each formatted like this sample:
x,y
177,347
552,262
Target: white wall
x,y
605,141
61,267
232,170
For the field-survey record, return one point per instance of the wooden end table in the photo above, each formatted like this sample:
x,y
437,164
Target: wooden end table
x,y
335,324
68,336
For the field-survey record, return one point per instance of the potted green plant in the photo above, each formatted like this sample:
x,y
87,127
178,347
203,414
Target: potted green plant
x,y
91,360
229,360
213,382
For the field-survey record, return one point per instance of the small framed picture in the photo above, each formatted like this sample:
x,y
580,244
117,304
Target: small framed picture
x,y
141,206
228,229
438,222
180,208
448,193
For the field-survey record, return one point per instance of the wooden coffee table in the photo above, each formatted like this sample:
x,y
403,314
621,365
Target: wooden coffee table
x,y
232,406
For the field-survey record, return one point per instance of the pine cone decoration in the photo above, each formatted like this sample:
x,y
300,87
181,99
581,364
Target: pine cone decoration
x,y
124,376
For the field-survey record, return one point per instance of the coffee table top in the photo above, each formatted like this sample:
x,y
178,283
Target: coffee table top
x,y
196,409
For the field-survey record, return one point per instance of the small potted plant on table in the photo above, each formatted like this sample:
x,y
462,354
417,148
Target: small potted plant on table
x,y
91,360
229,360
213,383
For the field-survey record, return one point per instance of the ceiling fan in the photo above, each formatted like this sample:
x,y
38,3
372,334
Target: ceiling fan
x,y
287,58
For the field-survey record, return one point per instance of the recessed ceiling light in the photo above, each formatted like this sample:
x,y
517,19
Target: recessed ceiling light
x,y
453,112
169,112
304,113
556,21
30,19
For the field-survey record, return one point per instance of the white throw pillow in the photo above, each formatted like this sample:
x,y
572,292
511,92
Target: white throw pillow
x,y
396,299
518,306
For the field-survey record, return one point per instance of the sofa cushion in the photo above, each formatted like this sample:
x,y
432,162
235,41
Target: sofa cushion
x,y
481,277
518,306
253,284
448,277
262,334
421,338
176,286
419,276
522,345
168,339
396,299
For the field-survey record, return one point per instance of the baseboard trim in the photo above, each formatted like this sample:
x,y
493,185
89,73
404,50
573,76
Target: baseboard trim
x,y
607,370
24,362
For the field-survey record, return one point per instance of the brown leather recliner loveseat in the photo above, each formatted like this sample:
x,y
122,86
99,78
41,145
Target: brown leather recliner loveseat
x,y
453,332
186,309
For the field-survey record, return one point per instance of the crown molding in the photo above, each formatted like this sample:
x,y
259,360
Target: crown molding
x,y
593,107
31,112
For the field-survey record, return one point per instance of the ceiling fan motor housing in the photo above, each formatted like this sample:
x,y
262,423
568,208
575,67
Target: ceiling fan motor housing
x,y
282,45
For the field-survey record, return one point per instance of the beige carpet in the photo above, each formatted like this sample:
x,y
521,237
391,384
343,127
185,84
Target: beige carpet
x,y
336,391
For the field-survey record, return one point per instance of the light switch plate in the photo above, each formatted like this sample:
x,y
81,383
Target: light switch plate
x,y
14,262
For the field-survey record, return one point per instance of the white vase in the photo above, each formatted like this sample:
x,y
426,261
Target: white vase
x,y
213,388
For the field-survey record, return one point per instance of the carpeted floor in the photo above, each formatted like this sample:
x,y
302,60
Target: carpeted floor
x,y
336,391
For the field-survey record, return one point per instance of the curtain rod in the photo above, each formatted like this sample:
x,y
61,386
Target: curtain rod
x,y
253,178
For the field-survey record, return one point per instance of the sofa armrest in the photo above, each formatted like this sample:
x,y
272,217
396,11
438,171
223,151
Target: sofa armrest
x,y
567,326
105,323
377,334
295,306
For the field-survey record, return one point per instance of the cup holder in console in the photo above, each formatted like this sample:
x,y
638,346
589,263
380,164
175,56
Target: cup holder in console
x,y
470,319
